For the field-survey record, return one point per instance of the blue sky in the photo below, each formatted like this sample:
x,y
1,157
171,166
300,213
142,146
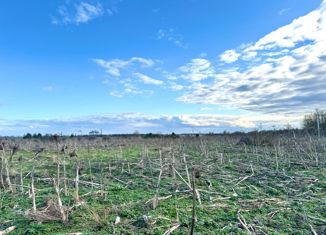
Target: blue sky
x,y
160,66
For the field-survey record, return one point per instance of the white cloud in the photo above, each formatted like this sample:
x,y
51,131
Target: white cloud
x,y
283,72
281,12
114,66
204,120
244,121
144,62
229,56
78,12
198,69
148,80
308,27
171,36
176,87
86,12
130,89
205,109
116,94
122,72
129,122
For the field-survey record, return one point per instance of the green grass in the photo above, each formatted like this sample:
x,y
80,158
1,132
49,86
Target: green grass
x,y
271,201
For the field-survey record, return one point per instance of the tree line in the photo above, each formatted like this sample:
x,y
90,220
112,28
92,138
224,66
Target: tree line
x,y
315,121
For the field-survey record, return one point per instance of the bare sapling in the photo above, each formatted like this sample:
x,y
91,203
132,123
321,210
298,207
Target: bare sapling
x,y
194,217
1,171
155,200
77,183
8,181
174,183
33,189
21,179
276,156
58,171
65,180
186,166
63,213
90,173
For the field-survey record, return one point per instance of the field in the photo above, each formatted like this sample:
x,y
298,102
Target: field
x,y
220,184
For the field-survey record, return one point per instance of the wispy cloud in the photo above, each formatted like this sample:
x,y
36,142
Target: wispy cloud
x,y
113,67
283,72
78,12
176,87
281,12
128,88
148,80
116,94
205,109
86,12
127,73
196,70
172,36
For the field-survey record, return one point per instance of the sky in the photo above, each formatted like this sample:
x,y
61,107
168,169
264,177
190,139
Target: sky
x,y
184,66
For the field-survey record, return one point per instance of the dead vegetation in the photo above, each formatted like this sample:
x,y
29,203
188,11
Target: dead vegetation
x,y
164,185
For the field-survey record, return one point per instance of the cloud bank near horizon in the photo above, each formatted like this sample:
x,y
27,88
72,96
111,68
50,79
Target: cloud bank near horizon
x,y
131,122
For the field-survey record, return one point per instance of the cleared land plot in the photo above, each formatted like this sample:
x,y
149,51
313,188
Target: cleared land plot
x,y
135,185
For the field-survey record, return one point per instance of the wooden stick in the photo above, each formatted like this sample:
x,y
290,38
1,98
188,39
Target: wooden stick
x,y
1,170
170,230
243,223
182,178
77,183
58,172
313,230
186,166
32,188
90,172
65,181
246,177
64,217
193,220
173,172
8,174
8,230
21,179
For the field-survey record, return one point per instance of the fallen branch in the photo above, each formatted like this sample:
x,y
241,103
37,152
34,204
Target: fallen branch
x,y
315,218
126,183
246,177
8,230
243,222
159,199
313,230
170,230
182,178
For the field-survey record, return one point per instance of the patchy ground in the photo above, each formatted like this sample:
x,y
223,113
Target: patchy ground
x,y
144,186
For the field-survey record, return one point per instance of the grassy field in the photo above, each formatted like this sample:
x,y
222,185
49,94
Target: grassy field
x,y
136,185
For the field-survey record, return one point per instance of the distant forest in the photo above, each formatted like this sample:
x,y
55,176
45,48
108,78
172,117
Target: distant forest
x,y
314,123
